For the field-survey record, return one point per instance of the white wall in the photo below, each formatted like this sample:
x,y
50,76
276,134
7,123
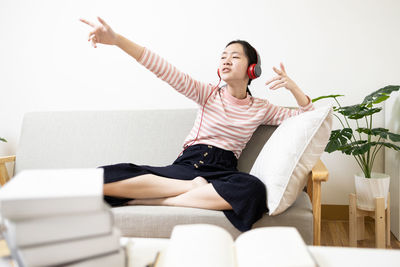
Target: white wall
x,y
46,62
392,161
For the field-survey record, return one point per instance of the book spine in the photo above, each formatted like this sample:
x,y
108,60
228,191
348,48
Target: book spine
x,y
47,230
36,208
64,252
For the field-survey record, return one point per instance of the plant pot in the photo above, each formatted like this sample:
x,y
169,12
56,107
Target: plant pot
x,y
367,189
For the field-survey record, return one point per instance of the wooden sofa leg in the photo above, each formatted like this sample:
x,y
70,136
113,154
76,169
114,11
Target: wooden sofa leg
x,y
4,177
319,173
3,174
316,203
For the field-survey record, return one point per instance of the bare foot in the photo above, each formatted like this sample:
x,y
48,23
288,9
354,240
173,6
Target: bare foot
x,y
199,181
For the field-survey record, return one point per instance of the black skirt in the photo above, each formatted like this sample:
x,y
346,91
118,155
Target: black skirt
x,y
244,192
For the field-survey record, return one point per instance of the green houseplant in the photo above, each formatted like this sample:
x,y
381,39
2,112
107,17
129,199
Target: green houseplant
x,y
3,140
358,142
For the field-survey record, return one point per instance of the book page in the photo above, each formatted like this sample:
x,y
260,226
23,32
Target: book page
x,y
199,245
272,246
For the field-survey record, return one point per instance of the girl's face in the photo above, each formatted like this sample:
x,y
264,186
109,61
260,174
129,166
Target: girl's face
x,y
233,64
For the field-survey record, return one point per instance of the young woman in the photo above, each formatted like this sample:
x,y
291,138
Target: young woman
x,y
205,175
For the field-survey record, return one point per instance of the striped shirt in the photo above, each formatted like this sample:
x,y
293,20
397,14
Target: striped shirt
x,y
228,122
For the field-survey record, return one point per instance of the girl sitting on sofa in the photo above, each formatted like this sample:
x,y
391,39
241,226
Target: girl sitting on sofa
x,y
204,175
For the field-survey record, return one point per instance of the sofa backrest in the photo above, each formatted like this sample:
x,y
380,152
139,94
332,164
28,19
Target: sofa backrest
x,y
87,139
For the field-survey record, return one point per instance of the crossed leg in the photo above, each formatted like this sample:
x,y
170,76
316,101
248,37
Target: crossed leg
x,y
150,189
151,186
204,197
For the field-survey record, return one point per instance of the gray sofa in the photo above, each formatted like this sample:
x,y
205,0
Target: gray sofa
x,y
86,139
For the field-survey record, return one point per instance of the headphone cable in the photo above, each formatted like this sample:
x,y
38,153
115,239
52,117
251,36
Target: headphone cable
x,y
201,120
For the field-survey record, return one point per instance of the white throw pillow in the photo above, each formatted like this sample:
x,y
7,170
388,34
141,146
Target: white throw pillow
x,y
289,155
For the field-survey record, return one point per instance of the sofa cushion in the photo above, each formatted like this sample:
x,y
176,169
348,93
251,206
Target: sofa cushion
x,y
158,221
289,155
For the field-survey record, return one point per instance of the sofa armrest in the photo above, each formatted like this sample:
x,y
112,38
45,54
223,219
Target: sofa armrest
x,y
318,174
4,177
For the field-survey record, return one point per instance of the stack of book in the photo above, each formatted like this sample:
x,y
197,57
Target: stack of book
x,y
58,217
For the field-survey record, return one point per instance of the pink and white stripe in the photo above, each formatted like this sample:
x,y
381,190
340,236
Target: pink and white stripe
x,y
228,122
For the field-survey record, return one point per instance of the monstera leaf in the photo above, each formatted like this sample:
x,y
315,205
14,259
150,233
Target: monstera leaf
x,y
338,139
357,111
382,132
379,95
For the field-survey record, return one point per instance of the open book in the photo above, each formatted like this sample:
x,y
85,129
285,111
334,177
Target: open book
x,y
212,246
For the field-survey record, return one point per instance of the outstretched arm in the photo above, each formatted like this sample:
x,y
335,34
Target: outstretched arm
x,y
182,82
103,34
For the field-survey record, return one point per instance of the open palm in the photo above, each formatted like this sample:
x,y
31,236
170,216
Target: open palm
x,y
282,80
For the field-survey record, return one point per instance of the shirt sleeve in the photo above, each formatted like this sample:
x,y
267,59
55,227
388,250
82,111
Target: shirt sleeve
x,y
275,115
181,82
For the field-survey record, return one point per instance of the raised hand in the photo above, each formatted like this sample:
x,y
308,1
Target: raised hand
x,y
282,80
101,33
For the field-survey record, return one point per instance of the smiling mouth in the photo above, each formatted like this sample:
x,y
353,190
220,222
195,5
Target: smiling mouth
x,y
226,70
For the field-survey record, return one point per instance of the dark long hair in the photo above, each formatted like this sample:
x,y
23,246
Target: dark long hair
x,y
250,53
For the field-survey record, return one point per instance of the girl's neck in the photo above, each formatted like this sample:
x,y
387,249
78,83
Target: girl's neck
x,y
236,90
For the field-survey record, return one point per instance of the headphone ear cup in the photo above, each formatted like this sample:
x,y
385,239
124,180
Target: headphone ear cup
x,y
250,71
257,70
254,71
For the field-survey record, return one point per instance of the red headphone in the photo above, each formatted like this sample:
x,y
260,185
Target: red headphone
x,y
253,71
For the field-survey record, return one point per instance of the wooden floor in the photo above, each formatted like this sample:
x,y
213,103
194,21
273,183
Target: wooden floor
x,y
336,233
